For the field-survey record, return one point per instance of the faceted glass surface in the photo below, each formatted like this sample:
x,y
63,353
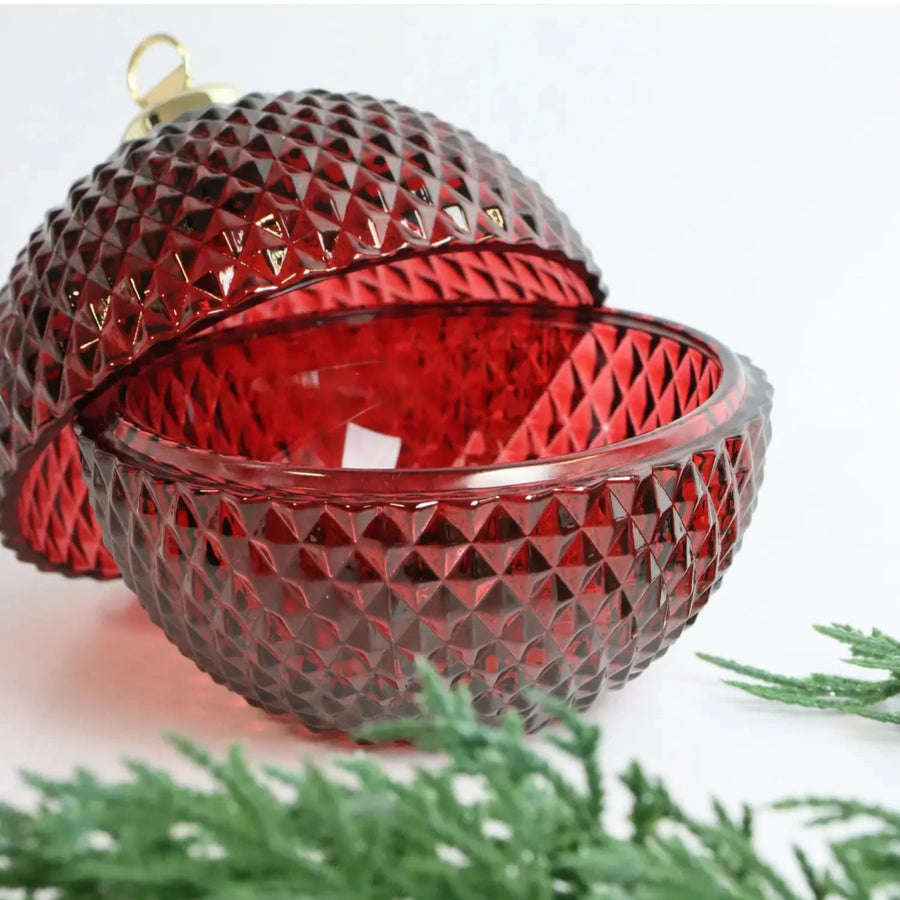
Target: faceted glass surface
x,y
230,206
52,514
541,499
474,385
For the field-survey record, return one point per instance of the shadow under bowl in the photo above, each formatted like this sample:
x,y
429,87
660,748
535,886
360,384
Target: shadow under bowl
x,y
533,499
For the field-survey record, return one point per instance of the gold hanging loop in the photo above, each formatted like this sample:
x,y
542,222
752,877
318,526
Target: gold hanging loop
x,y
172,96
177,81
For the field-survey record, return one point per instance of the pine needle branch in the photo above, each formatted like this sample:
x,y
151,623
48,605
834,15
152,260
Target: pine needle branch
x,y
497,820
862,697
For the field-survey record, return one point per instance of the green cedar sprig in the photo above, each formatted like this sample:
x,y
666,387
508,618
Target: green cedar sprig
x,y
862,697
519,830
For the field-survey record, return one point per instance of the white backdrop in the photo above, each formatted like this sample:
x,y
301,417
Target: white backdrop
x,y
737,169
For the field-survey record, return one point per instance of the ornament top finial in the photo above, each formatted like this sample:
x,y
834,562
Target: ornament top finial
x,y
174,94
177,81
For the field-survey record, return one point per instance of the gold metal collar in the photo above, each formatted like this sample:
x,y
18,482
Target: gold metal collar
x,y
172,96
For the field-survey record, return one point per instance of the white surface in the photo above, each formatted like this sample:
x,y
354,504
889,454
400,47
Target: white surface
x,y
736,169
367,449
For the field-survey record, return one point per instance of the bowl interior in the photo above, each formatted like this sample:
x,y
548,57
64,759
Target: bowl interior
x,y
421,388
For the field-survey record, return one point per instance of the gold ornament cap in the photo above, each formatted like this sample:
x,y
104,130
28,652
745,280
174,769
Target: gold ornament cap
x,y
172,96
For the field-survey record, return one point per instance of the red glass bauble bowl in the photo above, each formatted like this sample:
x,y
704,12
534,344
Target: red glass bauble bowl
x,y
527,496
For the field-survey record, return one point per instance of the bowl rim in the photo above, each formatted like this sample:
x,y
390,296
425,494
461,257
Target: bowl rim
x,y
742,390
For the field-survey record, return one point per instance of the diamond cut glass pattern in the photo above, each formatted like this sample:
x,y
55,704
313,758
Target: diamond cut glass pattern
x,y
361,201
569,488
